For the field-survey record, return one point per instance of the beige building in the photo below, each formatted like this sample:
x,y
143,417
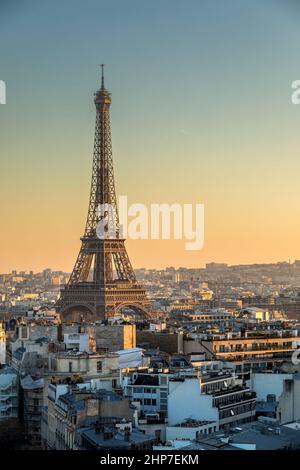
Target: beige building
x,y
2,346
85,364
112,337
288,409
240,348
259,352
90,371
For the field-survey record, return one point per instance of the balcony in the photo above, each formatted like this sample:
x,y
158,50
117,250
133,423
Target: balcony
x,y
227,390
234,400
254,351
149,420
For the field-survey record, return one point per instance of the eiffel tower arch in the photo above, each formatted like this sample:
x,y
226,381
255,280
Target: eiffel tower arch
x,y
103,281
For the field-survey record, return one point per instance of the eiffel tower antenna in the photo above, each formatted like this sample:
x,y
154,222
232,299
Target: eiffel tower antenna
x,y
103,281
102,76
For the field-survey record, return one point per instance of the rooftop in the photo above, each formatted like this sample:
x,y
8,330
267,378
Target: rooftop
x,y
263,435
83,354
109,438
146,380
192,423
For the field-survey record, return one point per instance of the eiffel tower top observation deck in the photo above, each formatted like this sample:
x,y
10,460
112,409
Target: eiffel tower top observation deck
x,y
102,282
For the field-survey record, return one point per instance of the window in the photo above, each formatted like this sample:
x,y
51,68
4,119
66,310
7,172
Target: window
x,y
99,366
70,367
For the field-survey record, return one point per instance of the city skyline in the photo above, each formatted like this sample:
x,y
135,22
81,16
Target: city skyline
x,y
150,227
164,268
230,133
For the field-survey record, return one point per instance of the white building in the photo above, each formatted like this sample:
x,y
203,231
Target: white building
x,y
185,400
190,430
218,397
257,314
268,384
78,341
286,389
158,327
132,358
150,390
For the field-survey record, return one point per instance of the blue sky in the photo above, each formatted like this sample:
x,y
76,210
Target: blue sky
x,y
201,113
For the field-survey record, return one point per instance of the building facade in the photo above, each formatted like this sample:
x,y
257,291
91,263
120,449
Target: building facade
x,y
8,393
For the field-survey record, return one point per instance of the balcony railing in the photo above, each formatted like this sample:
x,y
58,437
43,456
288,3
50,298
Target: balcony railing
x,y
235,400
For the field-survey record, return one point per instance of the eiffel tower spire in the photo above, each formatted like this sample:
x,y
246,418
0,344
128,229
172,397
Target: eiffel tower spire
x,y
102,281
102,185
102,76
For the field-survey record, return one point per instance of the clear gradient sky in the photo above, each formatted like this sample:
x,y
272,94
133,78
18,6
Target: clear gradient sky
x,y
201,112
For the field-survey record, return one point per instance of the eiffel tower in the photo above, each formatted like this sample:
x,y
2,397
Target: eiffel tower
x,y
102,282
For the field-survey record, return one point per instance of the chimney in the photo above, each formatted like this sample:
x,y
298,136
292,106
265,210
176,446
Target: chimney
x,y
60,333
127,435
108,435
98,428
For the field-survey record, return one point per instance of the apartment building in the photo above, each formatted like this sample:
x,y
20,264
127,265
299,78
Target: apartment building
x,y
112,434
87,365
247,351
8,393
32,401
149,390
218,397
73,406
2,345
278,395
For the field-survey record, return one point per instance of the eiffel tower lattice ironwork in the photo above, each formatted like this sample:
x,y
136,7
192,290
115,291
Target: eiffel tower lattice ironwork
x,y
102,281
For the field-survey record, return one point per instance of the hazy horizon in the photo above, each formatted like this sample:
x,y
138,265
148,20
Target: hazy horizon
x,y
153,268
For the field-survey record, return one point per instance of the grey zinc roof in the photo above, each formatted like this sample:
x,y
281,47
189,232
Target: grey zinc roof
x,y
117,440
267,440
28,383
